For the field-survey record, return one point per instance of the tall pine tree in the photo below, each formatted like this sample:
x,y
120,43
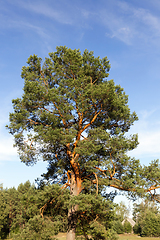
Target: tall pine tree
x,y
73,117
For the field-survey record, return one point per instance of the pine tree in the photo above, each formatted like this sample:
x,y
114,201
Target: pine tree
x,y
4,212
72,116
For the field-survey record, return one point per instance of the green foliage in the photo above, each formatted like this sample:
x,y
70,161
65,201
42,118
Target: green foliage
x,y
148,219
37,228
151,225
94,214
22,213
137,229
140,210
4,213
121,211
69,109
71,113
18,208
118,227
151,178
73,117
99,231
127,227
23,205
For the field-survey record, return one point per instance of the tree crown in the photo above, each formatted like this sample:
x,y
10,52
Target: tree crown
x,y
72,116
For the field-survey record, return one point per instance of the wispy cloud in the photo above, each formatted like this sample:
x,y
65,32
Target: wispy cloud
x,y
122,20
149,144
130,24
49,10
147,19
148,129
124,34
7,151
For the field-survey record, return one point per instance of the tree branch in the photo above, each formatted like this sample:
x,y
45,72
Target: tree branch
x,y
96,181
38,123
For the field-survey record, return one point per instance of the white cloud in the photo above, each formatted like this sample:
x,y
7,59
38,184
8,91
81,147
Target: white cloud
x,y
148,129
149,144
147,18
48,10
121,19
7,152
39,30
124,34
130,24
116,24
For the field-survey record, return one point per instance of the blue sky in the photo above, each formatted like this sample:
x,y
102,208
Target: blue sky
x,y
127,32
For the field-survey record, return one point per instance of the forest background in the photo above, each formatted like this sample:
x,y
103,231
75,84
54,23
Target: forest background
x,y
20,216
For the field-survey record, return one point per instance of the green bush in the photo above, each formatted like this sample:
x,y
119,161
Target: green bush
x,y
118,227
37,228
147,216
137,229
127,227
151,226
98,231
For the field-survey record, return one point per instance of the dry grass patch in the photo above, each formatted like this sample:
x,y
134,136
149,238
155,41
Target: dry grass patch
x,y
134,237
62,236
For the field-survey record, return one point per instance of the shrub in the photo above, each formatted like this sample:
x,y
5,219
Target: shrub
x,y
127,227
151,226
137,229
118,227
37,228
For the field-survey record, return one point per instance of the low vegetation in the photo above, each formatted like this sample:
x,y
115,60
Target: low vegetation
x,y
147,217
32,213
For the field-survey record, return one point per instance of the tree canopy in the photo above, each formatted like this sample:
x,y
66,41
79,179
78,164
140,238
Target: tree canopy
x,y
72,116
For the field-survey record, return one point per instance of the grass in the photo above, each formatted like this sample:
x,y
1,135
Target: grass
x,y
62,236
134,237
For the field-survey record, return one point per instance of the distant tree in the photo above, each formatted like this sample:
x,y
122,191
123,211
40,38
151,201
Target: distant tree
x,y
140,210
73,117
4,212
151,225
118,227
122,211
18,208
147,218
127,227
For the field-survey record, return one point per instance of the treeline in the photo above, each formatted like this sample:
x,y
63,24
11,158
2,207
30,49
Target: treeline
x,y
32,213
146,216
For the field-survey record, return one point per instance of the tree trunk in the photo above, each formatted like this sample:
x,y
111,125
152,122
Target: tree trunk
x,y
75,189
71,233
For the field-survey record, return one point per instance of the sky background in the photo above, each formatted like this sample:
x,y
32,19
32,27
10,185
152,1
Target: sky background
x,y
127,32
